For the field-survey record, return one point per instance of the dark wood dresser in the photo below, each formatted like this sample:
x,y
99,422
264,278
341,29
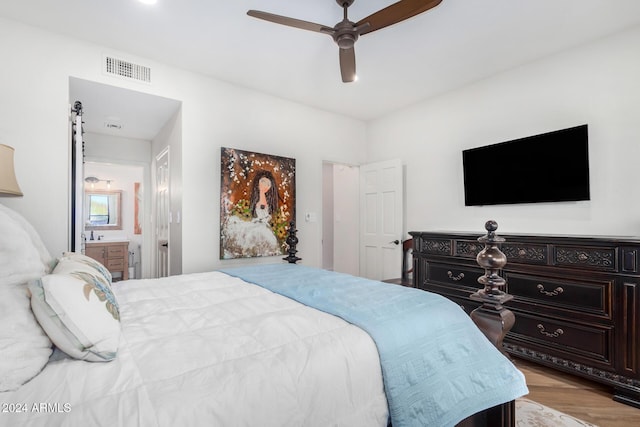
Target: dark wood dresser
x,y
576,299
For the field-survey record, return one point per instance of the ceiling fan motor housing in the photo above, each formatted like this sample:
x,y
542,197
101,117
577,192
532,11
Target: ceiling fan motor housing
x,y
346,40
344,3
345,34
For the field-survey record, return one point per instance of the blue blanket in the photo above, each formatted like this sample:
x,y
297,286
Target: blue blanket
x,y
437,367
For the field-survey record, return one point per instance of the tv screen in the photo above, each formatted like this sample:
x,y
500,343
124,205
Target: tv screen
x,y
550,167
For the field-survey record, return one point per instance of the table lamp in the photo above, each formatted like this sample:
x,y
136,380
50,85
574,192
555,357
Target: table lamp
x,y
8,183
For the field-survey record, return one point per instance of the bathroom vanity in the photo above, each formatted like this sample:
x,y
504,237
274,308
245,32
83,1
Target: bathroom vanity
x,y
113,255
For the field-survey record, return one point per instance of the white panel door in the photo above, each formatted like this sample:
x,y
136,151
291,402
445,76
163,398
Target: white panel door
x,y
162,214
381,192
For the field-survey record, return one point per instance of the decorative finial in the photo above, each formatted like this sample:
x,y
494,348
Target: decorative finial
x,y
492,317
492,260
292,242
491,226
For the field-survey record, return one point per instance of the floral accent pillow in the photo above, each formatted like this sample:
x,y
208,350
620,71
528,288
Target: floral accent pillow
x,y
74,261
79,312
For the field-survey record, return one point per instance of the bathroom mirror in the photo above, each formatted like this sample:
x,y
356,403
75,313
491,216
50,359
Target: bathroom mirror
x,y
103,210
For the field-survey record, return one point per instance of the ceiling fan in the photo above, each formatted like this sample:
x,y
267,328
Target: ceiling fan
x,y
345,33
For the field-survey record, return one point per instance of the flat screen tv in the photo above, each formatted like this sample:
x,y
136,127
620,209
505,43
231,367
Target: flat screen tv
x,y
550,167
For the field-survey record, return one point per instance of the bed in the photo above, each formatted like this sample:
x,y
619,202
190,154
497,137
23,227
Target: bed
x,y
266,345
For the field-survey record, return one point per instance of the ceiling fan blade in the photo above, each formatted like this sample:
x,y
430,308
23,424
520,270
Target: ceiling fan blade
x,y
348,64
397,12
291,22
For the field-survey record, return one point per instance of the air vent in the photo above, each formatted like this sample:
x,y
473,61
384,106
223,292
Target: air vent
x,y
115,126
128,70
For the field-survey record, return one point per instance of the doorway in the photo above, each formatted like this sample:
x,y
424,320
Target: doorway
x,y
127,182
123,132
381,219
340,218
363,218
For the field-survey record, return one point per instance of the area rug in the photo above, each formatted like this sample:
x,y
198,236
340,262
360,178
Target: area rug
x,y
534,414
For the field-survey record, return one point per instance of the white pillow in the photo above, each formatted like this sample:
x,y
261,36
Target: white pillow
x,y
23,256
24,347
79,313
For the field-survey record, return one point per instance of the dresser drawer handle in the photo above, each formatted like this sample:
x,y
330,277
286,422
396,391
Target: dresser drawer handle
x,y
556,291
583,257
456,278
555,334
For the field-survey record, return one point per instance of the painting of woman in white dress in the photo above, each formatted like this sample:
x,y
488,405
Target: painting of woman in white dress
x,y
257,203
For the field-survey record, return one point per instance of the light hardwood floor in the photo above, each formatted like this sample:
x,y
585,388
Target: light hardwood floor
x,y
583,399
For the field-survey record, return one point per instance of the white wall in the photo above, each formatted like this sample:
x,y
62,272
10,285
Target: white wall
x,y
34,120
596,84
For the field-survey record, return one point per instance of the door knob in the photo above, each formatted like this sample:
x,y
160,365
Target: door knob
x,y
396,242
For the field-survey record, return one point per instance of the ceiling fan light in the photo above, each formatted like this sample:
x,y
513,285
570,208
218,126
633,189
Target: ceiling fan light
x,y
346,41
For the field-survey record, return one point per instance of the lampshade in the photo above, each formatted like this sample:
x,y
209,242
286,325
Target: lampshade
x,y
8,184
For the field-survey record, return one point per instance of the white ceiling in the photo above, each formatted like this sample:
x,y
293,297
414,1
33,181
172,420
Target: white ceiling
x,y
458,42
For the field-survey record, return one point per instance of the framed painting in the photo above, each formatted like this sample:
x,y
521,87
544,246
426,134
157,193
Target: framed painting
x,y
257,202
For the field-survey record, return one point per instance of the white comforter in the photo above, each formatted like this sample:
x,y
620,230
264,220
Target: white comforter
x,y
210,350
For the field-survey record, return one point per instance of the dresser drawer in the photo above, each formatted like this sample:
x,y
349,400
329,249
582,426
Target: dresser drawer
x,y
525,253
453,275
585,257
567,296
115,251
433,246
468,248
115,264
588,341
